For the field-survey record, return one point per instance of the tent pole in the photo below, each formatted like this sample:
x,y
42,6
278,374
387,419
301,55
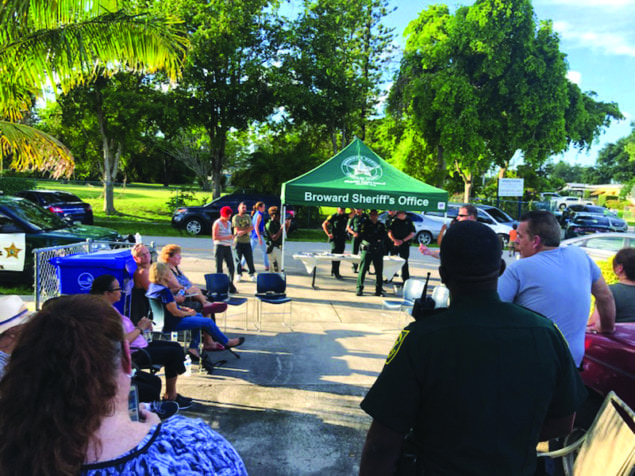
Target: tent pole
x,y
284,234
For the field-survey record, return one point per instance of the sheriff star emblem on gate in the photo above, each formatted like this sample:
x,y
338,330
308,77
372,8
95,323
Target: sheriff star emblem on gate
x,y
395,348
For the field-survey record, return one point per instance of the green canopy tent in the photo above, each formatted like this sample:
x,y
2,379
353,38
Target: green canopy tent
x,y
358,178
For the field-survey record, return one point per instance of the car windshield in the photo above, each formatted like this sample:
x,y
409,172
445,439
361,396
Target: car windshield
x,y
37,216
598,210
608,243
499,215
58,197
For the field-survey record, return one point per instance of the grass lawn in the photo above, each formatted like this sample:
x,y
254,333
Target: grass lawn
x,y
147,209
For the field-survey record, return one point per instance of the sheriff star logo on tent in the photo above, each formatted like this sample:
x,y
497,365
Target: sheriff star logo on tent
x,y
361,168
13,251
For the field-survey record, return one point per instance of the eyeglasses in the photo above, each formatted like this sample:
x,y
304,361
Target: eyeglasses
x,y
114,290
464,215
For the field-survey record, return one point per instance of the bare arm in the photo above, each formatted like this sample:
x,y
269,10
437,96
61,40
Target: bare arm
x,y
555,427
381,450
276,235
444,228
428,252
143,324
215,231
141,279
605,306
325,227
242,230
175,311
257,228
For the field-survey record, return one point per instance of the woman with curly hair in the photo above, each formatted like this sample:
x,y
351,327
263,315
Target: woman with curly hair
x,y
64,404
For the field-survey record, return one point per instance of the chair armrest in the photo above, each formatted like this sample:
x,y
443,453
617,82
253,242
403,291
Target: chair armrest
x,y
567,449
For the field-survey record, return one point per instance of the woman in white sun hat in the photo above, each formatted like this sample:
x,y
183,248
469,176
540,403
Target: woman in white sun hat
x,y
13,313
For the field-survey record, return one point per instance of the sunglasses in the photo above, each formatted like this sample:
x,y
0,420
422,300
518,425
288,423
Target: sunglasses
x,y
114,290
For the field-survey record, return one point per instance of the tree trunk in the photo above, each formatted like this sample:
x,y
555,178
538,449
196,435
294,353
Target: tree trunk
x,y
334,142
218,141
467,177
111,160
441,167
467,188
111,165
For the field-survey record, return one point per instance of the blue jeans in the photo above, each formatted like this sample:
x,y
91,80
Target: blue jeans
x,y
255,245
203,323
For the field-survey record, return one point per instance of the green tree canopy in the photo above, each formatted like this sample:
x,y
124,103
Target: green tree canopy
x,y
229,79
490,81
335,57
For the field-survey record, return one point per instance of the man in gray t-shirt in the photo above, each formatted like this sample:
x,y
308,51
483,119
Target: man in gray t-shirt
x,y
557,282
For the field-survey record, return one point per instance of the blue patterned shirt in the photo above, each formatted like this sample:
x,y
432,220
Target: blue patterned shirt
x,y
180,446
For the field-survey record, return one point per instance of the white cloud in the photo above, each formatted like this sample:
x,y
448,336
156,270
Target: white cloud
x,y
611,43
575,77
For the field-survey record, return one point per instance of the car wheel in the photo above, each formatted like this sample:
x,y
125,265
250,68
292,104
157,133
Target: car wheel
x,y
424,237
562,206
504,239
194,226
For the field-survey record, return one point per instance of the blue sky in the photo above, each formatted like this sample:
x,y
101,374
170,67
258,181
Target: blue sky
x,y
599,40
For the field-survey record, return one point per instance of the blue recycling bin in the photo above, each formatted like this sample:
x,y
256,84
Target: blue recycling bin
x,y
75,273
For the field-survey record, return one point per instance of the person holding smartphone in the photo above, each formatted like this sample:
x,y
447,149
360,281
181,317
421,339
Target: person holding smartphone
x,y
166,353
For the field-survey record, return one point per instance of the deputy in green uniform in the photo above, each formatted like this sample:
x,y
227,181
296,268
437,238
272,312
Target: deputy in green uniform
x,y
337,236
401,231
373,233
354,228
474,386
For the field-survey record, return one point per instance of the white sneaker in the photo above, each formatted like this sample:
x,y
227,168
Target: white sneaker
x,y
252,278
239,278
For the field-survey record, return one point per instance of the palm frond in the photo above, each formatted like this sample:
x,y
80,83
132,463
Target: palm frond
x,y
71,54
32,149
66,42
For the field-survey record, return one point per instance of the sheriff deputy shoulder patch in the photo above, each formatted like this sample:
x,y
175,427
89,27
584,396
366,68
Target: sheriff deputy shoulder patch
x,y
397,346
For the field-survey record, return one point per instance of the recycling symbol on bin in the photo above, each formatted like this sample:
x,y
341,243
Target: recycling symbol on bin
x,y
85,281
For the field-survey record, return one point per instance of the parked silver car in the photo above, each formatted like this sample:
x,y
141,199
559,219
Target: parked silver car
x,y
602,246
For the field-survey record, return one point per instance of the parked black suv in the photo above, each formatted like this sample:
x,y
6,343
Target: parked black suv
x,y
583,223
199,220
64,204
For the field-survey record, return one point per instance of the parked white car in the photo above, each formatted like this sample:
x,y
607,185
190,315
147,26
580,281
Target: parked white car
x,y
561,203
495,218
